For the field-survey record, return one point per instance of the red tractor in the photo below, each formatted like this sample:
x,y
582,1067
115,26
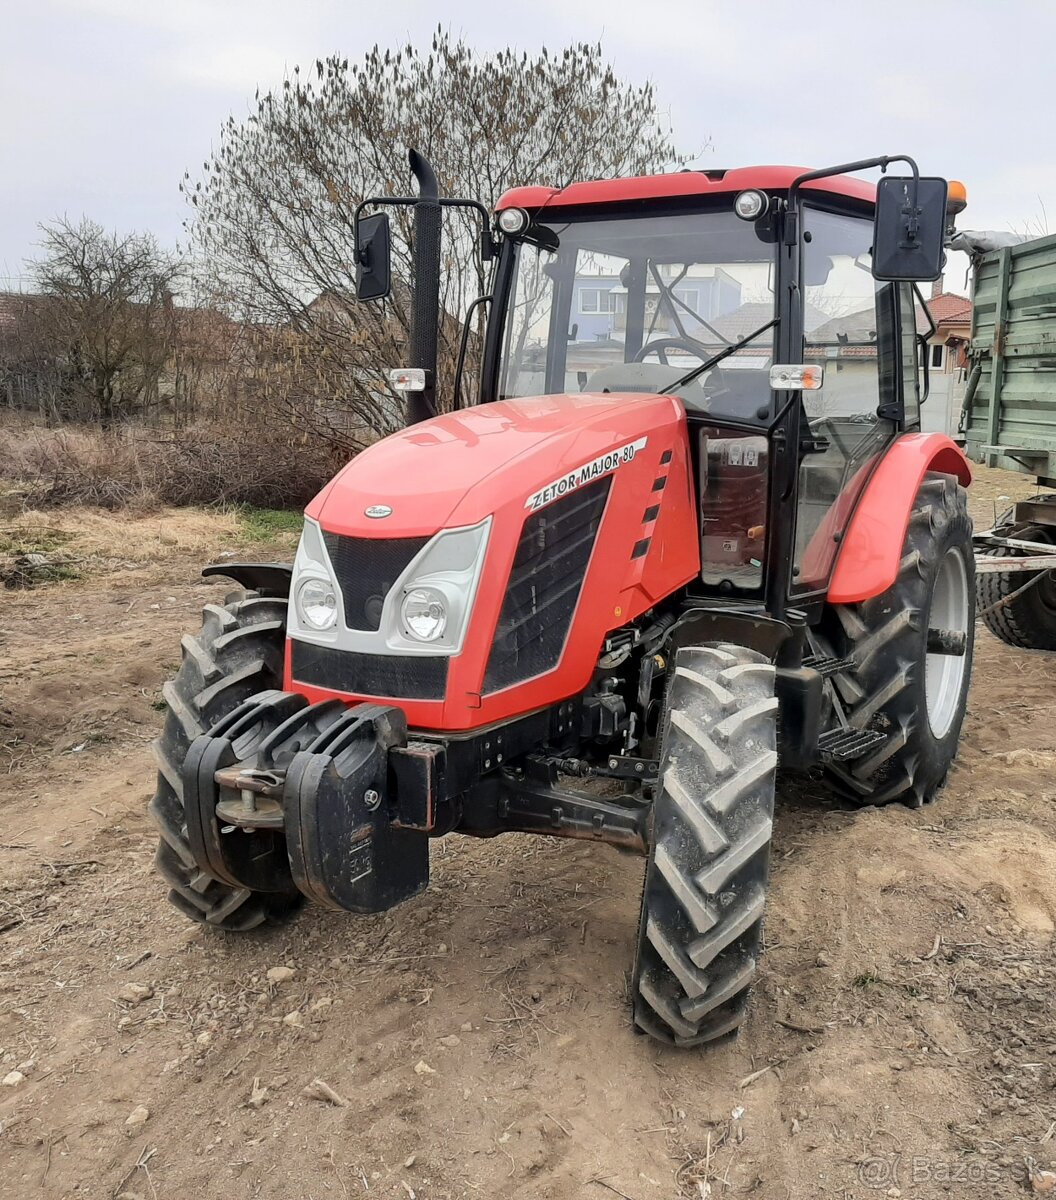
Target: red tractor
x,y
688,531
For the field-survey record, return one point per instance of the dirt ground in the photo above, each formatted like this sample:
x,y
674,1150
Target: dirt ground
x,y
902,1039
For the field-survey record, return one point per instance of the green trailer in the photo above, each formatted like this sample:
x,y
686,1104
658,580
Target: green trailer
x,y
1009,420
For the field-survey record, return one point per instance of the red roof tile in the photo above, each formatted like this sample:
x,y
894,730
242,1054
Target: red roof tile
x,y
947,308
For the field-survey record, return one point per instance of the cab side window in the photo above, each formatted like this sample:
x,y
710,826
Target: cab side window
x,y
850,328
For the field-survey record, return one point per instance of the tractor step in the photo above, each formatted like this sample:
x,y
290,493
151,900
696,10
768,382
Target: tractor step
x,y
828,664
839,745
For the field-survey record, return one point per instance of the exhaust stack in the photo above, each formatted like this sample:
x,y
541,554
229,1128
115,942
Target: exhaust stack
x,y
426,297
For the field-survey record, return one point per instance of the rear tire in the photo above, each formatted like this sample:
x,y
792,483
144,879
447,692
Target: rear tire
x,y
1029,621
915,699
238,653
705,884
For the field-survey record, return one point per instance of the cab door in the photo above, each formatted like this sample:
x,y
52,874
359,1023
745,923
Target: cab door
x,y
851,328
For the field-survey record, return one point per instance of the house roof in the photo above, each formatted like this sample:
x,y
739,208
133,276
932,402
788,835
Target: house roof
x,y
948,308
741,322
749,317
683,183
852,327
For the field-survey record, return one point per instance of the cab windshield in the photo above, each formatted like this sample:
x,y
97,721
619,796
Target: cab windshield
x,y
634,304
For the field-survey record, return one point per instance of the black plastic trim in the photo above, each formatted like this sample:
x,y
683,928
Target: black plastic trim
x,y
270,579
387,676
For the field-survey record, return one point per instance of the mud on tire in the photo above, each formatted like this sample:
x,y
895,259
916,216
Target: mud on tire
x,y
237,653
886,637
705,884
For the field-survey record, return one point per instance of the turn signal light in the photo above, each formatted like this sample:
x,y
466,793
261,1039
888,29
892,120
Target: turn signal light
x,y
407,379
794,377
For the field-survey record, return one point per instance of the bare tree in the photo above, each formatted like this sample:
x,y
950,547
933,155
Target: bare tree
x,y
273,212
105,319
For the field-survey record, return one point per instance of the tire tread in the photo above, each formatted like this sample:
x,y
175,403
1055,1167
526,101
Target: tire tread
x,y
706,880
884,636
237,654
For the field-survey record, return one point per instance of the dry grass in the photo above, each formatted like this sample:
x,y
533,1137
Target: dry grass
x,y
81,542
92,533
142,469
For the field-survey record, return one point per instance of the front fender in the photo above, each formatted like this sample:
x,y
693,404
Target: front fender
x,y
269,579
871,548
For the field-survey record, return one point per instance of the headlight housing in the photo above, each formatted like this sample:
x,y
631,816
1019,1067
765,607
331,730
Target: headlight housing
x,y
317,603
424,613
315,597
426,609
435,596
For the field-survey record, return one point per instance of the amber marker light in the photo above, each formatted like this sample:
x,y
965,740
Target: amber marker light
x,y
956,197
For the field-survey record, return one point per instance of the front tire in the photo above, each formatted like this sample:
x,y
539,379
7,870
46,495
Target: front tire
x,y
238,653
705,884
914,699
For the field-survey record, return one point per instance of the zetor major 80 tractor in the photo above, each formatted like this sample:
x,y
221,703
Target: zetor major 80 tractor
x,y
688,530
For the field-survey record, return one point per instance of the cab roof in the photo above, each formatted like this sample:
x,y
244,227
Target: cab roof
x,y
682,184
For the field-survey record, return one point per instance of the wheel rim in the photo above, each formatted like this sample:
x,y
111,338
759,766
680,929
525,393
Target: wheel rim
x,y
944,673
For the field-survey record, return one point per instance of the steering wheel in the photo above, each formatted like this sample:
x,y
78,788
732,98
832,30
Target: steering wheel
x,y
660,346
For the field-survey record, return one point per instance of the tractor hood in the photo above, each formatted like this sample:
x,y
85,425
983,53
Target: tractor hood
x,y
459,468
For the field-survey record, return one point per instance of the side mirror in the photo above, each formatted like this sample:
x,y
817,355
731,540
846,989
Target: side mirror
x,y
373,257
908,237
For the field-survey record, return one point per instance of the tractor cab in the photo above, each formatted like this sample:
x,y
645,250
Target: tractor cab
x,y
795,364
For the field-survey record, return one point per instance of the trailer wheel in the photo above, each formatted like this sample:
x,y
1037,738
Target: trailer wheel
x,y
237,654
912,700
1028,621
706,879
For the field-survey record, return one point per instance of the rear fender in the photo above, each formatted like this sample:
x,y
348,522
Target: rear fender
x,y
871,548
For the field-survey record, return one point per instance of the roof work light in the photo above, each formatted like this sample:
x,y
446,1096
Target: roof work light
x,y
751,205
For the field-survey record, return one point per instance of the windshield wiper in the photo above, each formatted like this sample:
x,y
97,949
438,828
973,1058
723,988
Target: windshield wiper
x,y
717,358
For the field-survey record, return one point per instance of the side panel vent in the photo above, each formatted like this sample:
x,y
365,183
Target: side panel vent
x,y
544,586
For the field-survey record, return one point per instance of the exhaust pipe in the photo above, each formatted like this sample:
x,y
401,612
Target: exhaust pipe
x,y
426,298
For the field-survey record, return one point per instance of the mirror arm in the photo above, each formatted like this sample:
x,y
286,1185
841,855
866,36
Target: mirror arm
x,y
487,246
925,346
927,311
863,164
463,346
923,341
372,202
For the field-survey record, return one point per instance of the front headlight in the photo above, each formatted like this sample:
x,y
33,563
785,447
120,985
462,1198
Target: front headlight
x,y
317,603
424,612
434,597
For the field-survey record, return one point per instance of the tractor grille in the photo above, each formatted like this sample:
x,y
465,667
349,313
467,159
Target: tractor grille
x,y
392,676
547,576
366,570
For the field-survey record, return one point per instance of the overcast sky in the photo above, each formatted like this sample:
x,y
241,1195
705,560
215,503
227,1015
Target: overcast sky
x,y
106,102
